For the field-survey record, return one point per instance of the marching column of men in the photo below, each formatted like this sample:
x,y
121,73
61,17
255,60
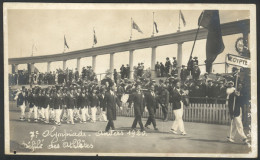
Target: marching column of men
x,y
74,102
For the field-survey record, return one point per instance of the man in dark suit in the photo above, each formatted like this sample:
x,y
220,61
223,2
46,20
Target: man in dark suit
x,y
110,101
151,103
164,101
139,103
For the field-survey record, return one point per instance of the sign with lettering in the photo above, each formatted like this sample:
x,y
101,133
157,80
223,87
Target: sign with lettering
x,y
237,61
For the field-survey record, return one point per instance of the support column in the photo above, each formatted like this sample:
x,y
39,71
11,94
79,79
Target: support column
x,y
131,59
111,64
153,61
48,67
14,68
94,63
78,64
179,58
32,67
64,65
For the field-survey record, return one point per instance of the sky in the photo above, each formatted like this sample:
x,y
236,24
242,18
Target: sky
x,y
45,28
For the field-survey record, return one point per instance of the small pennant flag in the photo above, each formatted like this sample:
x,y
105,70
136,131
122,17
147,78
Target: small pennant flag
x,y
65,42
135,26
155,25
182,18
95,38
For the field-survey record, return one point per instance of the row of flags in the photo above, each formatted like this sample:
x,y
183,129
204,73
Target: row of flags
x,y
133,26
155,26
94,41
208,19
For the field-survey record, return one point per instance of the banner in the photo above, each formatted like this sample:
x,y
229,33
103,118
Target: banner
x,y
237,61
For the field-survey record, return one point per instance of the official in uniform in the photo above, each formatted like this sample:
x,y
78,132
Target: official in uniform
x,y
110,102
151,103
139,103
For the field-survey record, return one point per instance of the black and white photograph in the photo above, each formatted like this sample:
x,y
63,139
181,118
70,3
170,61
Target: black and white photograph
x,y
156,80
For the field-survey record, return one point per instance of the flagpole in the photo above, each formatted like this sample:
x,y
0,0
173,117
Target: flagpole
x,y
64,44
179,28
153,25
93,37
32,49
131,29
196,36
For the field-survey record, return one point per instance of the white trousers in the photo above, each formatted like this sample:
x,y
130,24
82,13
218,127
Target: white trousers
x,y
42,113
57,115
102,115
84,114
34,109
237,127
178,122
70,115
46,113
93,113
22,108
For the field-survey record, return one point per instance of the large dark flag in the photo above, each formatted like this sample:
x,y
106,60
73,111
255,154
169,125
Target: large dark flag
x,y
65,42
210,19
135,26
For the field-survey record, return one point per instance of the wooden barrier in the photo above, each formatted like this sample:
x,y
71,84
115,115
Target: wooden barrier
x,y
195,112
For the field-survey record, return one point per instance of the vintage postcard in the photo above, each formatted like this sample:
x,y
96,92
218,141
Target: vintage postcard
x,y
157,80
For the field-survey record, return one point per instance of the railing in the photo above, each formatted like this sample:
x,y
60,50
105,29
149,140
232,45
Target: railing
x,y
212,113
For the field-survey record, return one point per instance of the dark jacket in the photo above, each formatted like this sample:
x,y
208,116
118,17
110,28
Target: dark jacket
x,y
151,102
110,102
176,95
20,99
139,103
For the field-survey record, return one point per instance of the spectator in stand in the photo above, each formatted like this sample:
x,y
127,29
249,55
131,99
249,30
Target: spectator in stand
x,y
195,72
167,66
174,62
127,71
162,69
142,69
174,71
122,71
139,70
184,73
76,74
115,76
157,69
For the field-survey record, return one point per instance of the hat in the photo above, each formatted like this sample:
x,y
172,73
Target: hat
x,y
195,57
167,58
206,73
174,57
183,65
230,82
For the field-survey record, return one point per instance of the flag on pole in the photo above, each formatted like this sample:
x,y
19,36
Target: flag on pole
x,y
155,25
214,46
182,18
135,26
65,43
95,38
